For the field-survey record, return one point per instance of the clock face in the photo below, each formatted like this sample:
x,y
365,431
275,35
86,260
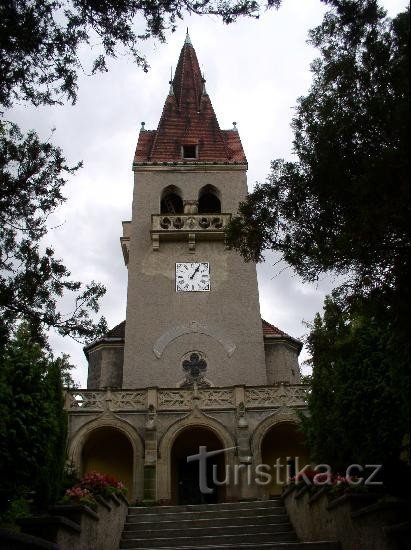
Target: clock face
x,y
193,277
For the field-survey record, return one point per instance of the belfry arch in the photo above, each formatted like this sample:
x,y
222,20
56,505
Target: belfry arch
x,y
171,200
209,200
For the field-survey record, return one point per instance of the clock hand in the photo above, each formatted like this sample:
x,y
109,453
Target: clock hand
x,y
197,268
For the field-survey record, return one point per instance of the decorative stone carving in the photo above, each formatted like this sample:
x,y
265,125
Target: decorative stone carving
x,y
190,207
83,399
214,398
187,225
129,400
276,396
194,328
175,399
151,418
194,366
241,420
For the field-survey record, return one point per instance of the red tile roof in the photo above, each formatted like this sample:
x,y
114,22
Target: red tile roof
x,y
188,118
271,330
268,330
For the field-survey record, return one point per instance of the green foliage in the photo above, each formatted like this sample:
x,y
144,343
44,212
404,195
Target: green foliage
x,y
40,39
33,424
343,205
355,413
31,278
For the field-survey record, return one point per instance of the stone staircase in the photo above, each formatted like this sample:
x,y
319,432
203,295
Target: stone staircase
x,y
229,526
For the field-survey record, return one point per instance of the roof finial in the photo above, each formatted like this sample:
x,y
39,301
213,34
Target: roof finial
x,y
235,126
171,91
203,80
188,39
142,126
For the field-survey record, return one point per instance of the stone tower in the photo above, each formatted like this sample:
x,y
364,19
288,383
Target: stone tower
x,y
193,364
186,292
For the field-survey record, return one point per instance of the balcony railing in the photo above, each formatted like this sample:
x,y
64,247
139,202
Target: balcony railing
x,y
188,227
184,399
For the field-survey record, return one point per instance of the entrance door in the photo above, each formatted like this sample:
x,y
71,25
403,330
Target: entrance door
x,y
185,475
189,483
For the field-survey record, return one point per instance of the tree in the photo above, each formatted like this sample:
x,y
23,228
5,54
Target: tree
x,y
355,414
343,205
31,278
33,423
40,39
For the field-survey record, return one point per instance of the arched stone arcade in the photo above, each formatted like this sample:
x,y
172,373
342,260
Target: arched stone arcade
x,y
111,447
177,482
279,443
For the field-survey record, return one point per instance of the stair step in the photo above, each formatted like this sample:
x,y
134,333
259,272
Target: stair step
x,y
207,531
210,540
198,507
134,523
205,513
262,546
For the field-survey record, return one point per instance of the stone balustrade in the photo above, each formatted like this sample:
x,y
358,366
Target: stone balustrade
x,y
187,226
176,399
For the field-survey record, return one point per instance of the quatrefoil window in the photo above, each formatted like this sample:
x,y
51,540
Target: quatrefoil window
x,y
194,365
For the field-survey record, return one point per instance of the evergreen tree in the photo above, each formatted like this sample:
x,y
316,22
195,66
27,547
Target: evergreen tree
x,y
33,423
355,414
343,207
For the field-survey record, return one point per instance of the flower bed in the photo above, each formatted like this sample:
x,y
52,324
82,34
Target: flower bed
x,y
90,486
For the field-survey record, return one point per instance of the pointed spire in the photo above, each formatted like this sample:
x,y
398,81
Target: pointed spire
x,y
188,119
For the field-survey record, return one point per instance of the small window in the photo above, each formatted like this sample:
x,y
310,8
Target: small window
x,y
189,151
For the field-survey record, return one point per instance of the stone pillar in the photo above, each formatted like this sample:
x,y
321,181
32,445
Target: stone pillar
x,y
150,445
246,489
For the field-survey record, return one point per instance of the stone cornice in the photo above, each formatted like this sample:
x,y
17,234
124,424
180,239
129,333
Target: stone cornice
x,y
187,167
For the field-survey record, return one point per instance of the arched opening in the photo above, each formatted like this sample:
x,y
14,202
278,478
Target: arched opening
x,y
171,201
185,479
108,451
209,200
283,445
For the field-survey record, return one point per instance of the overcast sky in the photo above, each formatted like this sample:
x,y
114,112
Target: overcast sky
x,y
255,71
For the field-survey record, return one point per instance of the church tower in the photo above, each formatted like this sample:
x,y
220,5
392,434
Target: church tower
x,y
187,293
193,365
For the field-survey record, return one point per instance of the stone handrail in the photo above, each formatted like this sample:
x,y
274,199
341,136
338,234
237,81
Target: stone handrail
x,y
183,399
189,222
187,226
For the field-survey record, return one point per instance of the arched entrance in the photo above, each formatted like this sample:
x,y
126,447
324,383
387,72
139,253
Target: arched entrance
x,y
282,445
185,483
107,450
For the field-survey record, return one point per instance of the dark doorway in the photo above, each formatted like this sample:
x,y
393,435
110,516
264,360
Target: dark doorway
x,y
185,475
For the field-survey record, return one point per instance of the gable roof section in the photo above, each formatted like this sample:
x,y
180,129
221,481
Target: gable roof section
x,y
117,334
188,118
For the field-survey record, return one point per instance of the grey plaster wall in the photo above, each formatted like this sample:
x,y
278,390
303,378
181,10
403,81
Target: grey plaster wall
x,y
229,313
105,366
282,363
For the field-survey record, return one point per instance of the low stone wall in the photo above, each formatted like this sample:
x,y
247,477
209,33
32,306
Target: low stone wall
x,y
356,520
77,527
